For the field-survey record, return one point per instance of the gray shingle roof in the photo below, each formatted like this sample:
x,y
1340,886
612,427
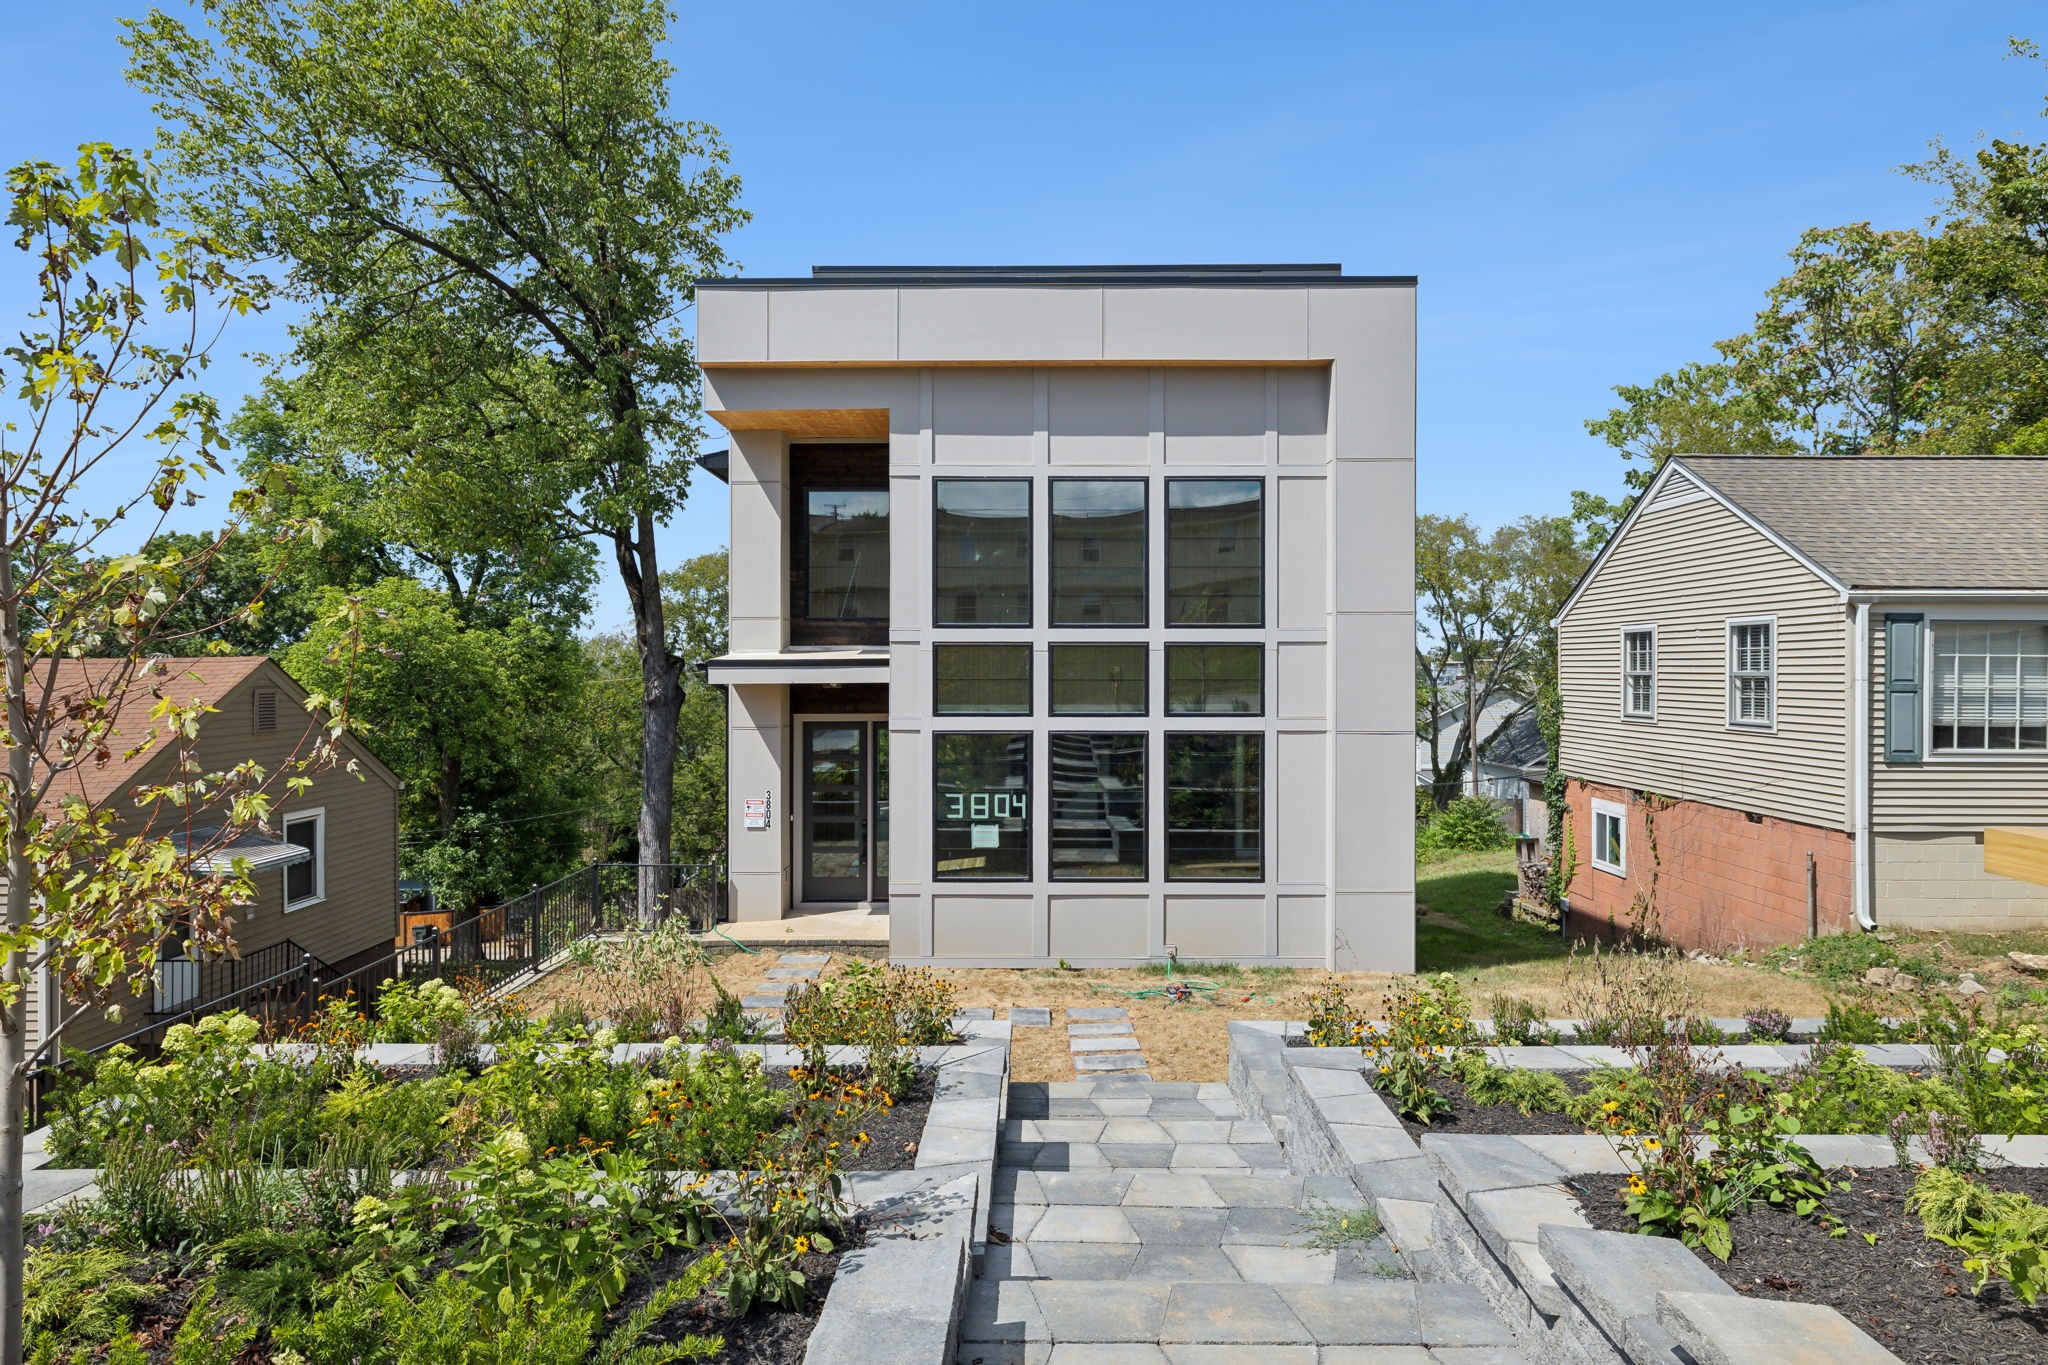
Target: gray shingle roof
x,y
1898,521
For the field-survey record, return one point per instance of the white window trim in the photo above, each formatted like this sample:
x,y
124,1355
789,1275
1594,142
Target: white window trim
x,y
1619,812
1651,714
318,815
1728,671
1930,754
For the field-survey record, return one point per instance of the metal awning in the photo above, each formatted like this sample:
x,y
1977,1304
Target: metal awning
x,y
260,851
869,665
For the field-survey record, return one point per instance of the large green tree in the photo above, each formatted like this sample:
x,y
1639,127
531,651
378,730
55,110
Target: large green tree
x,y
1484,603
492,196
1930,340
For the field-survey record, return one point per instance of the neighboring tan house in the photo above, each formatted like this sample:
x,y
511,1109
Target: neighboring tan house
x,y
1073,608
326,873
1813,690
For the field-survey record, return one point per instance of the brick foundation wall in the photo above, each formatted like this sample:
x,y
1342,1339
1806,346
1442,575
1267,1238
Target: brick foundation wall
x,y
1721,879
1938,881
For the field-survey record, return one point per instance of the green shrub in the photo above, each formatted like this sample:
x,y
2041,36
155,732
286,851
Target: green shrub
x,y
80,1298
1529,1092
1517,1023
212,1333
417,1009
412,1117
1470,824
710,1114
2002,1235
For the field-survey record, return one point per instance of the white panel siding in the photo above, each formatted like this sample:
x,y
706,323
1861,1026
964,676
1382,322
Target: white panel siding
x,y
1686,570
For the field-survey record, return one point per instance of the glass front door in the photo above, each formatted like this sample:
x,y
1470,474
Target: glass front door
x,y
845,811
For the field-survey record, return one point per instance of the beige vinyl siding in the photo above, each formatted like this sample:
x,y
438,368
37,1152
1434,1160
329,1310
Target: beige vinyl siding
x,y
360,910
1686,566
1944,791
32,1007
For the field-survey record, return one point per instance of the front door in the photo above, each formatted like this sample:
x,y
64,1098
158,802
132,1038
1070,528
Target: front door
x,y
845,811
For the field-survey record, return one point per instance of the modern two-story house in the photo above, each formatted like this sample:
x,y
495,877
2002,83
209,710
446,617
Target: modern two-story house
x,y
1071,610
1809,694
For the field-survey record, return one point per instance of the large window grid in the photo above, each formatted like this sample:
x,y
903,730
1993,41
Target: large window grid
x,y
1990,687
1752,673
1097,557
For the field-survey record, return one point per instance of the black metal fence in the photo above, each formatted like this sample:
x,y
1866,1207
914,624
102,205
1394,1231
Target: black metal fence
x,y
486,950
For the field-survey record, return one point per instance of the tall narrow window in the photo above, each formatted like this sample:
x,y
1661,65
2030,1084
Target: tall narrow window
x,y
1214,808
846,554
1639,673
1990,687
981,571
1098,680
305,881
1098,807
1752,673
1215,552
1209,680
1098,552
981,811
981,680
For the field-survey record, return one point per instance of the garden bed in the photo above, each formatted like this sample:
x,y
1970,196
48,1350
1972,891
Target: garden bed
x,y
1908,1292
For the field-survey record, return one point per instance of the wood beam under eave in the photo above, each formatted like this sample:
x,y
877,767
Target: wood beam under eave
x,y
2021,854
857,424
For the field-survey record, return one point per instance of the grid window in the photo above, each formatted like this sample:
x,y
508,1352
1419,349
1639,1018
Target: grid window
x,y
1213,680
981,680
1214,807
1098,807
1098,680
1215,552
1990,687
981,571
981,812
1098,552
1752,672
1639,674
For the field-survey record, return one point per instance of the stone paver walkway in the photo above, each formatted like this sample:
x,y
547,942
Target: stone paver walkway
x,y
1102,1041
790,971
1150,1223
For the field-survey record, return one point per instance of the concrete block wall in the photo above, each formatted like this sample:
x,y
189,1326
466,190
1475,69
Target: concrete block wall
x,y
1938,881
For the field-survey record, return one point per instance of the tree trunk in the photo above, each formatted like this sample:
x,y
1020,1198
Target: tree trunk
x,y
19,797
448,798
1472,720
661,703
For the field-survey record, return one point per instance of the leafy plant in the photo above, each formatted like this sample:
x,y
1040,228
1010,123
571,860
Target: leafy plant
x,y
1518,1023
417,1009
80,1298
623,1346
1408,1051
2003,1235
887,1010
1529,1092
212,1333
1470,824
1331,1020
709,1114
1767,1025
1851,1021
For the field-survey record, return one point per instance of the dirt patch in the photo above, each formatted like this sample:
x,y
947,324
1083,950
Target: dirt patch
x,y
1909,1293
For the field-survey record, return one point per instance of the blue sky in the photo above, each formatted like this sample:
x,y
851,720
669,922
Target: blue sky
x,y
1590,194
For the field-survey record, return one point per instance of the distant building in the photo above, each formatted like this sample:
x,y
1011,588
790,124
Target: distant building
x,y
1072,608
1807,690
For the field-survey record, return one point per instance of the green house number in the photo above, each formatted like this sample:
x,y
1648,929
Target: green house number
x,y
985,805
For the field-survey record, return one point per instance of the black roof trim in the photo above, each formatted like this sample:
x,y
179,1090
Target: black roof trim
x,y
895,276
717,463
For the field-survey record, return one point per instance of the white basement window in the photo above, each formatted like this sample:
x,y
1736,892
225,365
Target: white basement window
x,y
1639,673
1990,687
1610,835
1752,672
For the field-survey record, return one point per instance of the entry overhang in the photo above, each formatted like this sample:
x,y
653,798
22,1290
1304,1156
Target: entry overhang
x,y
868,665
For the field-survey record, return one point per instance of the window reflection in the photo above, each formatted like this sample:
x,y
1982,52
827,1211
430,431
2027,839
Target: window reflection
x,y
1098,806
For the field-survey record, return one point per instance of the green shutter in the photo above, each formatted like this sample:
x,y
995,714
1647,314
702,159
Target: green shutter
x,y
1904,661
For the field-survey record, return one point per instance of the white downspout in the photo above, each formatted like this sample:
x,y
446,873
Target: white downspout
x,y
1859,774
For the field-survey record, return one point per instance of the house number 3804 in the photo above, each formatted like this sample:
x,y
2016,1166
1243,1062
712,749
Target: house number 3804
x,y
985,805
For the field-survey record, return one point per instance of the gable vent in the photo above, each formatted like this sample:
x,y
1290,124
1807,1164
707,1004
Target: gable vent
x,y
266,710
1678,490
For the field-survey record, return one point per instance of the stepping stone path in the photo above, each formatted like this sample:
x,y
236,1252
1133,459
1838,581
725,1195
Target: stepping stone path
x,y
1146,1221
1102,1040
790,971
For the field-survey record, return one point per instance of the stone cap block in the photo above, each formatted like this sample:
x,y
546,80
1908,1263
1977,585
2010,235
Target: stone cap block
x,y
1468,1164
1617,1276
1728,1329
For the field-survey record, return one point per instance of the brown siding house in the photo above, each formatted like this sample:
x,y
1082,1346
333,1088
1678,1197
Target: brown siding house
x,y
325,870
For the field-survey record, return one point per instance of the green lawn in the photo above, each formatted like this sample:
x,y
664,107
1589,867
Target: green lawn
x,y
1457,928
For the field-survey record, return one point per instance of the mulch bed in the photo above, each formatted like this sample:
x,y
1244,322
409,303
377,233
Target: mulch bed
x,y
760,1338
1502,1119
1910,1294
893,1133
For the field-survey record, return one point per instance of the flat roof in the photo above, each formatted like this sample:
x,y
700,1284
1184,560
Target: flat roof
x,y
1179,276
